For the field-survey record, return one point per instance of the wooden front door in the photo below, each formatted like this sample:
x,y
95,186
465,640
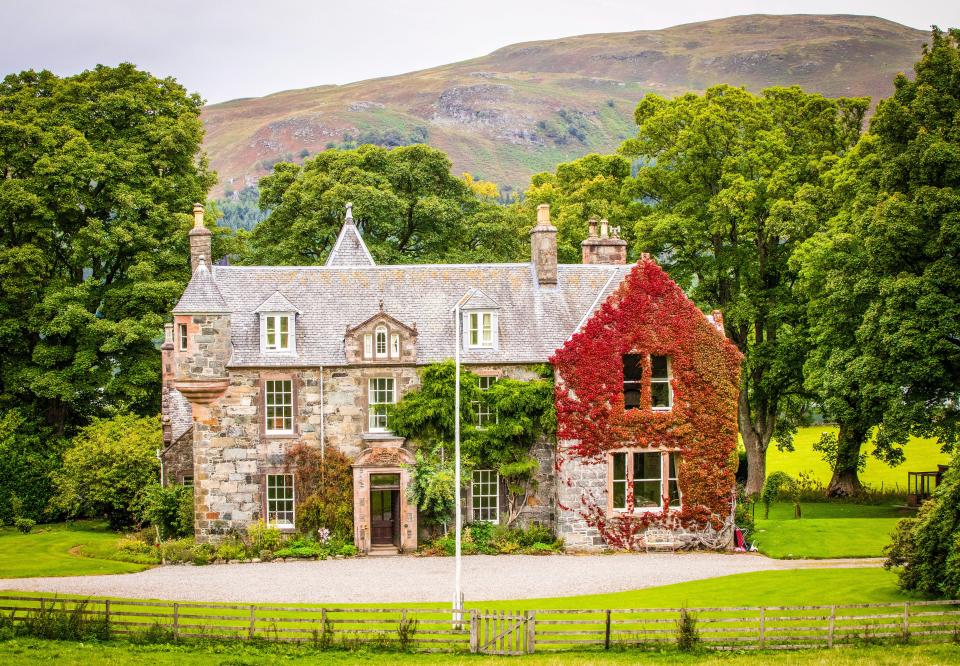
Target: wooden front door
x,y
384,509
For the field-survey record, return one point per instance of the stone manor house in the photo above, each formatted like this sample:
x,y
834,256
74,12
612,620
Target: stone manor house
x,y
259,358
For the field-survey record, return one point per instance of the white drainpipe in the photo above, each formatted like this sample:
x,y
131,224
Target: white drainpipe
x,y
323,418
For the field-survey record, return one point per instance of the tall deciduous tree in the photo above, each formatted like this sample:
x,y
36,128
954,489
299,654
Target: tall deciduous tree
x,y
95,172
405,200
883,278
720,174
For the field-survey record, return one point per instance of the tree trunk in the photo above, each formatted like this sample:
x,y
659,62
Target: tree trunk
x,y
845,481
756,439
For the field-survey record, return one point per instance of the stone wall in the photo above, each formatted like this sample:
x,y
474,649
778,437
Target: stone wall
x,y
178,459
208,346
577,478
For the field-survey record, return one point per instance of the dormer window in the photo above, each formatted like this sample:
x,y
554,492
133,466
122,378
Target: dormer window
x,y
481,330
277,332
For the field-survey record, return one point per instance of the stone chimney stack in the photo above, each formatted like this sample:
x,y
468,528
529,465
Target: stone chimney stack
x,y
200,240
543,248
607,248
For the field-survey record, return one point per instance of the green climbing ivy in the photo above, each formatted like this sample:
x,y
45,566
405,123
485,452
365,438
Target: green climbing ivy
x,y
523,413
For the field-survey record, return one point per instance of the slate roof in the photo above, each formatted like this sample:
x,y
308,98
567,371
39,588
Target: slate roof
x,y
534,321
350,250
277,302
201,295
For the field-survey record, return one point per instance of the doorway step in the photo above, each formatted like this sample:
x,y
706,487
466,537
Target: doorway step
x,y
382,551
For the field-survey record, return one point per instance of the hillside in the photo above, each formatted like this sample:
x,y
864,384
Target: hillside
x,y
526,107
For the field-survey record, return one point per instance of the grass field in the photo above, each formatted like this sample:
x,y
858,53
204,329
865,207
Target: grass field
x,y
53,550
827,529
33,651
921,455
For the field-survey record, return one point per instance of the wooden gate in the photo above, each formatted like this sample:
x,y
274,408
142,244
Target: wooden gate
x,y
502,632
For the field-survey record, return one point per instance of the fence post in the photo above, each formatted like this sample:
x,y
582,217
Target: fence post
x,y
176,620
253,621
906,620
606,632
763,627
531,631
474,630
833,622
106,613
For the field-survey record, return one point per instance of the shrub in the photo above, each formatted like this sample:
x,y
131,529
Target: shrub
x,y
28,457
325,482
773,488
107,468
24,525
178,551
347,550
688,636
169,509
927,547
263,537
201,554
231,550
57,622
743,518
536,534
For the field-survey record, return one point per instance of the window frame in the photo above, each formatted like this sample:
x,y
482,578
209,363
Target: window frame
x,y
372,413
482,407
632,384
183,337
381,330
291,319
668,380
265,421
488,477
394,345
630,478
477,317
268,513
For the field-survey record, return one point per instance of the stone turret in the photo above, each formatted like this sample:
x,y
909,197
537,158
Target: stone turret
x,y
543,248
200,239
605,248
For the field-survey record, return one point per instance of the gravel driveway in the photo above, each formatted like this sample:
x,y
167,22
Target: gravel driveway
x,y
398,579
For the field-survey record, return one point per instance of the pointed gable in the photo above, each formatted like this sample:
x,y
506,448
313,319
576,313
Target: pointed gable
x,y
202,295
350,250
277,302
475,299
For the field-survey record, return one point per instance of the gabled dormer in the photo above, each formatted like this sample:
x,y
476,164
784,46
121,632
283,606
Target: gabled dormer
x,y
278,325
480,321
381,339
350,250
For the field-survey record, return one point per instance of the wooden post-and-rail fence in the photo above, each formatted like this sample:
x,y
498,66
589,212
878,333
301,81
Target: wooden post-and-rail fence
x,y
511,632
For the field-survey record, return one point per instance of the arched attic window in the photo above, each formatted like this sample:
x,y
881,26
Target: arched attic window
x,y
380,341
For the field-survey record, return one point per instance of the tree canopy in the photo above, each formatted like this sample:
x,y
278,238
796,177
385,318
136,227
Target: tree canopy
x,y
882,277
408,205
97,170
719,176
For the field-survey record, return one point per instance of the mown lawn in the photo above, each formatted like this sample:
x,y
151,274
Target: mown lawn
x,y
54,550
33,651
827,529
921,455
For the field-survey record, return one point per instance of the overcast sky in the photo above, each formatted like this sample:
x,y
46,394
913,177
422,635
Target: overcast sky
x,y
242,48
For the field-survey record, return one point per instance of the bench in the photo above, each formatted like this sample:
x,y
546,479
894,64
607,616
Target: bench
x,y
656,538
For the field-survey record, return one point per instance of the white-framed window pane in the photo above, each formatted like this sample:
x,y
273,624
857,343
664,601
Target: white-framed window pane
x,y
380,394
182,335
619,489
284,332
485,491
474,329
380,339
271,332
486,414
280,499
368,346
487,332
673,488
395,345
278,405
660,393
647,479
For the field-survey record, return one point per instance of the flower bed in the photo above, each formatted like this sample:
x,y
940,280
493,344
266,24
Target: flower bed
x,y
490,539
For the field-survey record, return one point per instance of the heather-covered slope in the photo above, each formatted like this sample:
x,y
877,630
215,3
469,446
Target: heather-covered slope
x,y
526,107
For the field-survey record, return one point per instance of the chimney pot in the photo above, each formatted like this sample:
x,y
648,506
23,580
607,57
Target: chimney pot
x,y
543,248
543,214
603,249
592,233
604,228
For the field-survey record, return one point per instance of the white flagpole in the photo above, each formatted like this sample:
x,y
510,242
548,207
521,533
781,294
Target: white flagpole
x,y
458,592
